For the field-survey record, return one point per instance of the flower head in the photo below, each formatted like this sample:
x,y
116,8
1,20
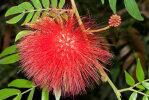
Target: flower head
x,y
57,56
115,20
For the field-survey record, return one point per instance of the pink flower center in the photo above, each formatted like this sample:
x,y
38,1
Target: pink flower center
x,y
65,43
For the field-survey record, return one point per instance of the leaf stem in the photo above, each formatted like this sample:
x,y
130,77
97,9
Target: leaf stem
x,y
131,89
140,83
77,14
83,28
102,29
78,17
139,92
126,89
118,94
28,90
63,10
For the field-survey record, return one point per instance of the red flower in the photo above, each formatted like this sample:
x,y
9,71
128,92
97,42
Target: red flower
x,y
115,20
57,56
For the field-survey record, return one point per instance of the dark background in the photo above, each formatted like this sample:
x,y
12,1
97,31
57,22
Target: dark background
x,y
129,41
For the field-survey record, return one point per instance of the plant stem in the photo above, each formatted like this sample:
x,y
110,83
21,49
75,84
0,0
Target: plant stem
x,y
126,89
78,17
140,83
63,10
77,14
83,28
114,89
102,29
28,90
139,92
131,89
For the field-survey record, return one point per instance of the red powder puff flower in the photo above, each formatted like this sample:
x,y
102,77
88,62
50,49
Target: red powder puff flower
x,y
115,20
57,56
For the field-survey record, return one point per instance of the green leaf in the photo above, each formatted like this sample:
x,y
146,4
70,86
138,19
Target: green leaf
x,y
54,3
7,92
21,83
15,19
21,34
139,72
133,9
65,16
113,5
30,97
18,97
14,10
61,3
37,14
102,1
133,96
28,18
45,12
9,59
147,92
129,80
146,85
140,87
45,3
45,95
36,3
145,98
9,50
26,5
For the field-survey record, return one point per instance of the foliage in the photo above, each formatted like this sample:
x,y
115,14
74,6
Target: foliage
x,y
32,13
141,85
32,10
18,83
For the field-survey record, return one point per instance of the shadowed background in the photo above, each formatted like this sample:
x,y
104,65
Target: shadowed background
x,y
129,42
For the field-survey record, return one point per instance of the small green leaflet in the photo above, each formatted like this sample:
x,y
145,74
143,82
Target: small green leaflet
x,y
36,3
133,9
18,97
21,34
113,5
45,95
139,72
9,50
140,87
129,80
26,6
9,59
7,92
54,3
36,15
30,97
16,19
133,96
65,16
14,10
21,83
102,1
147,92
45,12
28,18
61,3
45,3
146,85
145,98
